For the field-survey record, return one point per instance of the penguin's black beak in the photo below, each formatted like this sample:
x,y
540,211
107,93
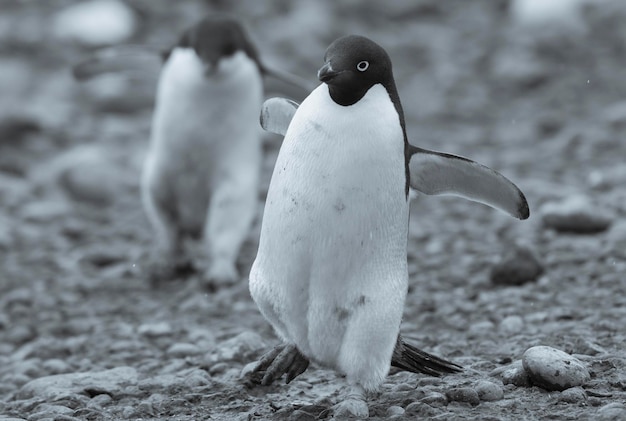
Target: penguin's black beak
x,y
326,73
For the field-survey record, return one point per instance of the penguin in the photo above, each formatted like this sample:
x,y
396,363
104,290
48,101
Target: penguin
x,y
331,274
201,174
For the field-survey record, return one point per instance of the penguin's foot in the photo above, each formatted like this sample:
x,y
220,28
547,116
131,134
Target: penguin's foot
x,y
283,359
353,405
221,274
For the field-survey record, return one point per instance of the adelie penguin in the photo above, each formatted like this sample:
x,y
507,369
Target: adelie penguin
x,y
201,174
331,271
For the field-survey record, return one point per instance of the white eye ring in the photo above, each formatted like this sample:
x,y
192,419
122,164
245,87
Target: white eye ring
x,y
363,66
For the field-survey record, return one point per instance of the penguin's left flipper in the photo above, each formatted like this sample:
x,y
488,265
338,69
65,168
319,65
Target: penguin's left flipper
x,y
436,173
276,114
283,359
132,60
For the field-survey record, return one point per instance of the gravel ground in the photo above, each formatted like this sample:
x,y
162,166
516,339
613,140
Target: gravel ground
x,y
84,337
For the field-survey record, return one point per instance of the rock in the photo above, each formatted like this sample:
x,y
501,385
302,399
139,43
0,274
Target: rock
x,y
116,93
575,214
519,265
573,395
299,415
104,256
464,394
197,378
419,410
50,388
45,211
435,399
515,374
394,410
511,324
553,369
615,115
155,329
614,411
45,410
95,23
55,366
240,348
488,391
91,180
86,173
538,14
182,350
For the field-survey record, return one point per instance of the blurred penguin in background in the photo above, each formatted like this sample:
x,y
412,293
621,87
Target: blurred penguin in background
x,y
200,178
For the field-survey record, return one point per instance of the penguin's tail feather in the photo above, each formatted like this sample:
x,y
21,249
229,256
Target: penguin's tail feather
x,y
410,358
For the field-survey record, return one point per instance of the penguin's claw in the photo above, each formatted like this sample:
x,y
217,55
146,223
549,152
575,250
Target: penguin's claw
x,y
283,359
299,366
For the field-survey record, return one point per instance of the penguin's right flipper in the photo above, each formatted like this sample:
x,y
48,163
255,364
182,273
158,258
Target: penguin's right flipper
x,y
409,358
283,359
435,173
128,59
276,114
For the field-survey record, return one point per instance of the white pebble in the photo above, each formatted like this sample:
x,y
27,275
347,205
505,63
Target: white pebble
x,y
95,23
553,369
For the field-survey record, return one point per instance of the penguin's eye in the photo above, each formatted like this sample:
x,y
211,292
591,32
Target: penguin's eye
x,y
362,66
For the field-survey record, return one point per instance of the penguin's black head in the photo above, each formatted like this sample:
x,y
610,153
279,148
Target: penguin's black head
x,y
353,65
216,37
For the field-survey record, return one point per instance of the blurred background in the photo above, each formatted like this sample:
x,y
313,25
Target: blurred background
x,y
535,89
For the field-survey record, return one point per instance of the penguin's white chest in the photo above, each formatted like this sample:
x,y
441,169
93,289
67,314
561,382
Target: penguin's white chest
x,y
334,233
205,131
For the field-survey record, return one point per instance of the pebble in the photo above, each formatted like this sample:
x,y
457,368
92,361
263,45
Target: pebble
x,y
615,114
553,369
91,179
575,214
512,324
519,265
44,211
420,410
182,350
162,381
435,399
95,23
488,391
55,366
573,395
111,381
299,415
155,329
394,410
464,394
614,411
516,375
100,400
240,348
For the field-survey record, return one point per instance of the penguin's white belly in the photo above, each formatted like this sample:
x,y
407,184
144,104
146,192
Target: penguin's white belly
x,y
334,233
204,129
